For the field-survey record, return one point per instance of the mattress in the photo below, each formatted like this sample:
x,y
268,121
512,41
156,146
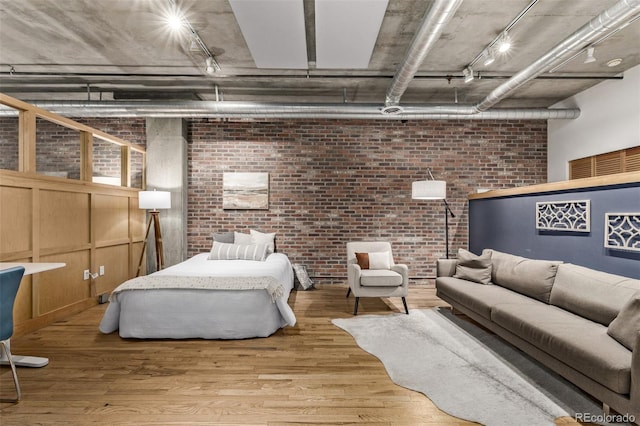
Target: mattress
x,y
182,313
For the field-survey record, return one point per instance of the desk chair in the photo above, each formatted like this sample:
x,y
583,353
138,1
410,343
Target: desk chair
x,y
9,284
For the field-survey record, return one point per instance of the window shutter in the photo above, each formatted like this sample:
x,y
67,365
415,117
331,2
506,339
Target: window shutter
x,y
582,168
632,160
608,164
625,160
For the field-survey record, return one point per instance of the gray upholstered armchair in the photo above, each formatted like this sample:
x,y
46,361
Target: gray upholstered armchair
x,y
383,278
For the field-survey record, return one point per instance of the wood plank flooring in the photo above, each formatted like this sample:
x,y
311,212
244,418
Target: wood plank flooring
x,y
312,373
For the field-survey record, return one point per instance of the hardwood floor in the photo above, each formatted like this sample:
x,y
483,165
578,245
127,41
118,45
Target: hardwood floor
x,y
310,373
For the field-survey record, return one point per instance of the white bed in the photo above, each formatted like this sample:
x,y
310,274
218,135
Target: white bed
x,y
182,313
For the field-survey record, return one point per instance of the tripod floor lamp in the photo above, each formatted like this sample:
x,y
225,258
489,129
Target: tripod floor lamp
x,y
434,190
153,201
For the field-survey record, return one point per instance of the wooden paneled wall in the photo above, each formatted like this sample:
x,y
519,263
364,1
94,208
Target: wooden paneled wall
x,y
55,219
44,219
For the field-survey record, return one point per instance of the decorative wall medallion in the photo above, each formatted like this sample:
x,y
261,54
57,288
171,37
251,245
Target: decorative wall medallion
x,y
622,231
564,216
245,191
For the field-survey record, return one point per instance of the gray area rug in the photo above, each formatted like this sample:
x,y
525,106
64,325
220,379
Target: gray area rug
x,y
466,371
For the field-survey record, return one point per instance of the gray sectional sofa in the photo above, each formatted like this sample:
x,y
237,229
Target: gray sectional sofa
x,y
582,323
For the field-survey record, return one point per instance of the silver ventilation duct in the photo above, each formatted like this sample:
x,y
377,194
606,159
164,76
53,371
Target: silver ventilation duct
x,y
611,18
440,13
433,24
195,109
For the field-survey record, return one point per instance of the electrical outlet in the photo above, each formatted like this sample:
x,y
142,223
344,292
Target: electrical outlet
x,y
101,270
87,274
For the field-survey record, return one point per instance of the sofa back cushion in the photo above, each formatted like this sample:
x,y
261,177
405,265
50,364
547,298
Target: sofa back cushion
x,y
595,295
625,328
531,277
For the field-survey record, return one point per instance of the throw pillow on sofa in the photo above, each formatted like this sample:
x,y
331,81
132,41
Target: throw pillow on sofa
x,y
473,268
626,326
531,277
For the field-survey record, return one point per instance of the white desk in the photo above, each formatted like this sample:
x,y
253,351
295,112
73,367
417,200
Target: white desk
x,y
29,269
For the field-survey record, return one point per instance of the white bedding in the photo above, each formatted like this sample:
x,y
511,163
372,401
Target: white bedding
x,y
182,313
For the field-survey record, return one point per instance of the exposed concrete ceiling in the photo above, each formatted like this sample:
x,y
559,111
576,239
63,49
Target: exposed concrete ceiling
x,y
79,50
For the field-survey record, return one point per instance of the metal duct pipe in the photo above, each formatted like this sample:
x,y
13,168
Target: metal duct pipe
x,y
614,16
433,23
213,109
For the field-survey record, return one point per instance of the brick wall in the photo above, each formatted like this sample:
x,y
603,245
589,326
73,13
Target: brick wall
x,y
9,143
334,181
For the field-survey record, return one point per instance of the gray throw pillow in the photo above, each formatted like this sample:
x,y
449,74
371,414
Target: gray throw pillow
x,y
473,268
223,237
626,326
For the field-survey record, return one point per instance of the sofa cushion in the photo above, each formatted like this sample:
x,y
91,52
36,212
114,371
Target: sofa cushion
x,y
478,298
380,278
579,343
531,277
625,328
472,267
592,294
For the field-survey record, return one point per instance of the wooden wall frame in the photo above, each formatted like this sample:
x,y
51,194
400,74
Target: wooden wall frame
x,y
53,219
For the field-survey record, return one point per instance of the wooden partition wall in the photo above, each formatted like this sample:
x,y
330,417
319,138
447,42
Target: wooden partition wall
x,y
51,219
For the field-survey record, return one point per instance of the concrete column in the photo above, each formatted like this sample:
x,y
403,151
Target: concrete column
x,y
167,171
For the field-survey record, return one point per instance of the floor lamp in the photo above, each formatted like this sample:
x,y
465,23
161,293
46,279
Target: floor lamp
x,y
153,201
434,190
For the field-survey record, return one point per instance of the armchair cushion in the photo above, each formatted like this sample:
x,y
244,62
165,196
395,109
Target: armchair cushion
x,y
374,260
380,278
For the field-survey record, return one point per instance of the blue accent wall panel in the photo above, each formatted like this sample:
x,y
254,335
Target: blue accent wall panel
x,y
508,224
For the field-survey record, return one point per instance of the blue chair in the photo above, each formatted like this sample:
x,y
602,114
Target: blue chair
x,y
9,284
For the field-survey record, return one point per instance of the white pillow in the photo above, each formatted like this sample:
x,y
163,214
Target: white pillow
x,y
240,238
262,238
223,251
380,260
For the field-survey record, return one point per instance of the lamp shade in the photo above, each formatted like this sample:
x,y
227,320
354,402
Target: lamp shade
x,y
154,200
429,190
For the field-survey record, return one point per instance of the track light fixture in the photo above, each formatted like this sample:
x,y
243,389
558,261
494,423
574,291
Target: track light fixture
x,y
211,65
501,44
590,58
487,57
467,73
196,44
504,44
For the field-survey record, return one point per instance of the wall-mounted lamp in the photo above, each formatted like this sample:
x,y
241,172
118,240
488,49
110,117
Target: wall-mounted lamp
x,y
153,201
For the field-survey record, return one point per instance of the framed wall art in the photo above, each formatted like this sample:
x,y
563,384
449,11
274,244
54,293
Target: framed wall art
x,y
245,191
570,216
622,231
